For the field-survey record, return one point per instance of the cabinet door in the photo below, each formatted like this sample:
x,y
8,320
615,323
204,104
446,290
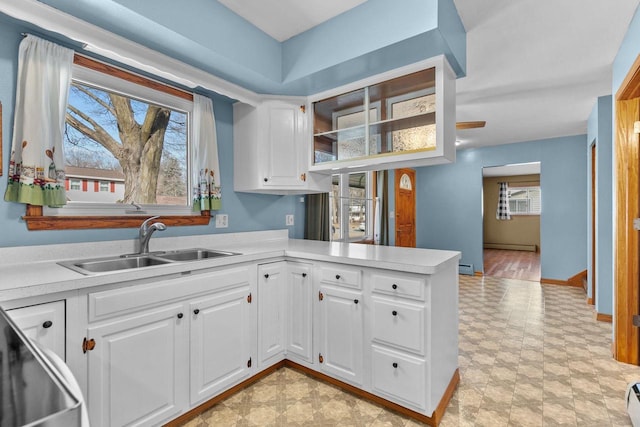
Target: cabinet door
x,y
285,144
341,331
138,370
299,310
43,323
271,312
221,335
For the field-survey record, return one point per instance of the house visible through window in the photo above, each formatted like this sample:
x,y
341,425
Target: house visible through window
x,y
131,139
525,200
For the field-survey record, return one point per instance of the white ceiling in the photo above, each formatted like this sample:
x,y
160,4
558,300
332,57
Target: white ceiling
x,y
534,67
532,168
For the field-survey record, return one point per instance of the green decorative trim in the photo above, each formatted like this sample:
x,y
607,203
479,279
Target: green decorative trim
x,y
48,194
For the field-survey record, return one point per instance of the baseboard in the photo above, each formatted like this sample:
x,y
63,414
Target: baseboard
x,y
432,420
478,273
590,300
601,317
573,281
511,247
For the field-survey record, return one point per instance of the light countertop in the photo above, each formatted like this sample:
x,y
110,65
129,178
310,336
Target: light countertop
x,y
23,276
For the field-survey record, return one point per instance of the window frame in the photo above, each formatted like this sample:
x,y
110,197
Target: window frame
x,y
526,188
38,218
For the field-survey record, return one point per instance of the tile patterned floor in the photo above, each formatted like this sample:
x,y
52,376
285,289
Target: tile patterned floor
x,y
530,355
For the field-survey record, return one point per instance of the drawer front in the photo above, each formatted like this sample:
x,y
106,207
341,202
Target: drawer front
x,y
341,276
136,298
399,285
43,323
399,324
399,377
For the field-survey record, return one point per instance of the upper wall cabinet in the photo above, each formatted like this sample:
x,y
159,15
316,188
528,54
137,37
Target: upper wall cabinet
x,y
271,150
403,118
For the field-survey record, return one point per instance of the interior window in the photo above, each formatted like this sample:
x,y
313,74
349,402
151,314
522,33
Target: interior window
x,y
135,136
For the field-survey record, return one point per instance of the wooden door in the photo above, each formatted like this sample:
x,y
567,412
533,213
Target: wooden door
x,y
405,196
592,300
626,240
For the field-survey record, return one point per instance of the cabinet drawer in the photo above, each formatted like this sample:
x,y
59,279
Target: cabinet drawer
x,y
341,276
399,324
136,298
399,377
399,285
43,323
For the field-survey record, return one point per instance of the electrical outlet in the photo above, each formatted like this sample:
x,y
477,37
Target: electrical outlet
x,y
222,221
289,220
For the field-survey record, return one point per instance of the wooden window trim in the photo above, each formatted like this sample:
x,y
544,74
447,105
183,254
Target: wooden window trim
x,y
34,218
36,221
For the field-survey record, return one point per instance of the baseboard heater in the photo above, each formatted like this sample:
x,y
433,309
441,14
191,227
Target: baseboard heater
x,y
465,269
511,247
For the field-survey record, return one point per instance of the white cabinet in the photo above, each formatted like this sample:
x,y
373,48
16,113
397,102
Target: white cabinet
x,y
341,329
271,150
401,118
299,305
272,282
157,349
136,372
220,345
43,323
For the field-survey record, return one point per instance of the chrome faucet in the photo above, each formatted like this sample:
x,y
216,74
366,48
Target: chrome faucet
x,y
145,232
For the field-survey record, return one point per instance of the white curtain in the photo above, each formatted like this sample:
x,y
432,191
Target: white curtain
x,y
503,213
206,169
36,167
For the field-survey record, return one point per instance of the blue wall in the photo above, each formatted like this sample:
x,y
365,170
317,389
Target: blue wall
x,y
373,37
247,212
599,131
449,202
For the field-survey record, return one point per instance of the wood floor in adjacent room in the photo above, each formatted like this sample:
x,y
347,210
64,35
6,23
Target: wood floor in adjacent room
x,y
507,264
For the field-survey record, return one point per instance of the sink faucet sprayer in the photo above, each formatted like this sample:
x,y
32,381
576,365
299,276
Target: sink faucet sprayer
x,y
146,231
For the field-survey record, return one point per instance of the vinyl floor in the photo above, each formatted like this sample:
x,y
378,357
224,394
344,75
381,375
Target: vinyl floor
x,y
529,355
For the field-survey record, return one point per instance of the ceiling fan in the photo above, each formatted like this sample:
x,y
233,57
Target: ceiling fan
x,y
470,125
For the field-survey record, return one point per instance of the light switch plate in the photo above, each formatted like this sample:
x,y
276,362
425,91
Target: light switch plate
x,y
289,220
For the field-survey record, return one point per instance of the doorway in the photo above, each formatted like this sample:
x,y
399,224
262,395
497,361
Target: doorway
x,y
592,300
511,242
405,199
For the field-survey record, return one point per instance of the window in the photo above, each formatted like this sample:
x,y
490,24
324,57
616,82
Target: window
x,y
525,200
124,129
351,207
75,184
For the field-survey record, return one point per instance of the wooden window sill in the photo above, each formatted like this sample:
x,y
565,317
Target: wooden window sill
x,y
36,221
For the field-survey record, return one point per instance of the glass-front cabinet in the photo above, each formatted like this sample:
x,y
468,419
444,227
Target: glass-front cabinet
x,y
401,118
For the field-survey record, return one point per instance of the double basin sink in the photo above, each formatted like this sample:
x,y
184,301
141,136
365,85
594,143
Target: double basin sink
x,y
126,262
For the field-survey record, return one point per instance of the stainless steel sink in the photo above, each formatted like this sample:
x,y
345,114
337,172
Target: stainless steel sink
x,y
102,265
131,261
194,254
